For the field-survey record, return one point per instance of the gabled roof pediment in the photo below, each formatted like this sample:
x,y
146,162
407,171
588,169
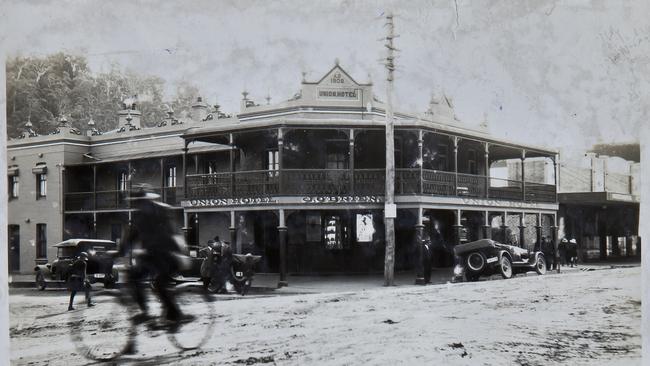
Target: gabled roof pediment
x,y
337,77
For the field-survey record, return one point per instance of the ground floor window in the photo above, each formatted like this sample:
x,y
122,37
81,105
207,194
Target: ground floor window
x,y
365,228
333,232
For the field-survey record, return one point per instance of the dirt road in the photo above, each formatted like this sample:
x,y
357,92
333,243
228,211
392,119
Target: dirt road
x,y
585,318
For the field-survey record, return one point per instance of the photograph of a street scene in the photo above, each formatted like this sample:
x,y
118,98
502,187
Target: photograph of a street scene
x,y
438,182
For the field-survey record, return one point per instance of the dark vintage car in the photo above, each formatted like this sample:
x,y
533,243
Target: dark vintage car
x,y
486,257
99,268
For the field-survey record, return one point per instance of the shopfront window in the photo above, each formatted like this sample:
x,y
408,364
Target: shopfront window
x,y
333,232
365,228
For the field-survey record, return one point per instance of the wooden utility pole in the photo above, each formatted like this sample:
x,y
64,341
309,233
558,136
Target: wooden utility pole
x,y
390,211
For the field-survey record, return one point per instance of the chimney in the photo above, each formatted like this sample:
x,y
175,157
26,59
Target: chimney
x,y
199,110
245,101
129,117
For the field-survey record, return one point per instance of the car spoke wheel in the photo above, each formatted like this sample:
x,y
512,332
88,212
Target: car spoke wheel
x,y
506,267
540,265
40,281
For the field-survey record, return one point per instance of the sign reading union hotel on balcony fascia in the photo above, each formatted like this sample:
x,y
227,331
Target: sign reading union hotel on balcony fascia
x,y
253,201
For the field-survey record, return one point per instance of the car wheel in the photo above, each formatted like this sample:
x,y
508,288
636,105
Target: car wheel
x,y
40,281
540,265
505,266
475,262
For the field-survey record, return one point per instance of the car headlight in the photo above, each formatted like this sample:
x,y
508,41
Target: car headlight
x,y
458,270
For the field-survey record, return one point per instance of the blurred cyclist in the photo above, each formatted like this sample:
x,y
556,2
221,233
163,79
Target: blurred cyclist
x,y
160,255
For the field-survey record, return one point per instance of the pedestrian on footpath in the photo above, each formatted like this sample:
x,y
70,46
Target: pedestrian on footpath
x,y
77,280
562,248
426,259
549,252
573,252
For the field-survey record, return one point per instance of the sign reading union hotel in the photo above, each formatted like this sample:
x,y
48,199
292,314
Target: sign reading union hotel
x,y
252,201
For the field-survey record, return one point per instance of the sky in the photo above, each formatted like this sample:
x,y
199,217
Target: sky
x,y
564,74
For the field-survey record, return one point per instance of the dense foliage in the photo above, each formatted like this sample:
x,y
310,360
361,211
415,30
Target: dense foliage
x,y
42,89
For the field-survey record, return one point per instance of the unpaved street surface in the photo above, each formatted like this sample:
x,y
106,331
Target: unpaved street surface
x,y
583,318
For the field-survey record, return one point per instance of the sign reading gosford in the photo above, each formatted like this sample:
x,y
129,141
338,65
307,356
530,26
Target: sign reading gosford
x,y
342,199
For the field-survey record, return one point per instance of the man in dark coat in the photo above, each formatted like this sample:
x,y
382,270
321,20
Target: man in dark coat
x,y
153,229
77,280
572,252
426,259
549,252
562,248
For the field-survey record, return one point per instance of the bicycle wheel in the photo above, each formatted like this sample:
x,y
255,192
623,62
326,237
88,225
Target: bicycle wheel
x,y
197,305
103,332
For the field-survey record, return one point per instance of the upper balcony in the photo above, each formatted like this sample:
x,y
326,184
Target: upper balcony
x,y
301,182
289,161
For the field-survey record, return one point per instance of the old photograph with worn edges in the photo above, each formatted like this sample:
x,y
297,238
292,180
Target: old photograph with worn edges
x,y
325,183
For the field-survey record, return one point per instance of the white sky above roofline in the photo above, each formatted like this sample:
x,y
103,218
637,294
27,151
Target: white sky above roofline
x,y
566,73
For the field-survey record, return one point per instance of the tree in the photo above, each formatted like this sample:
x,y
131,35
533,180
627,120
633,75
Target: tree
x,y
42,89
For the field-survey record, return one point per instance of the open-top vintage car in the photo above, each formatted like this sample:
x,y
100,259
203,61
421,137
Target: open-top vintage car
x,y
486,257
99,268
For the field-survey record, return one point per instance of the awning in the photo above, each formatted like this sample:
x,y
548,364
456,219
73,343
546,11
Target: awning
x,y
100,158
597,198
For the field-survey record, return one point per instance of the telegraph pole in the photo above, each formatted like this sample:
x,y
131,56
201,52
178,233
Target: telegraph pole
x,y
390,210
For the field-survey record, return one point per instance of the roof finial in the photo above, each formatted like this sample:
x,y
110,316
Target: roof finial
x,y
268,99
304,76
245,94
336,61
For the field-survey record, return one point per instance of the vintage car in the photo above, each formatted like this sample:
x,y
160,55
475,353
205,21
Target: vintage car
x,y
99,268
486,257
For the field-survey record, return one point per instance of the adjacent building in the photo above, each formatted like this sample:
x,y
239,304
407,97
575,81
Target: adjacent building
x,y
599,206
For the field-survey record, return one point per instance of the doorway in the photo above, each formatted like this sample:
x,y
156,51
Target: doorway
x,y
14,248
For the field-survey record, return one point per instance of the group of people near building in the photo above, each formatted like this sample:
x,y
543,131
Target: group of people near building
x,y
567,250
215,268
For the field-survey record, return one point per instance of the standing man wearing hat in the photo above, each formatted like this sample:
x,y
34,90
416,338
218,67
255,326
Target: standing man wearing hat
x,y
77,280
562,249
573,252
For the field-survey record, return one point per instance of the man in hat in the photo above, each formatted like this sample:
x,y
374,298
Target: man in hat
x,y
152,227
572,252
77,280
562,249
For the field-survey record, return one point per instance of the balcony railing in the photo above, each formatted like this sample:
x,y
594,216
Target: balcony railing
x,y
299,182
111,200
79,201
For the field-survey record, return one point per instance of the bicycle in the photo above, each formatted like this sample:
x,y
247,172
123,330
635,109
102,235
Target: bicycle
x,y
108,330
